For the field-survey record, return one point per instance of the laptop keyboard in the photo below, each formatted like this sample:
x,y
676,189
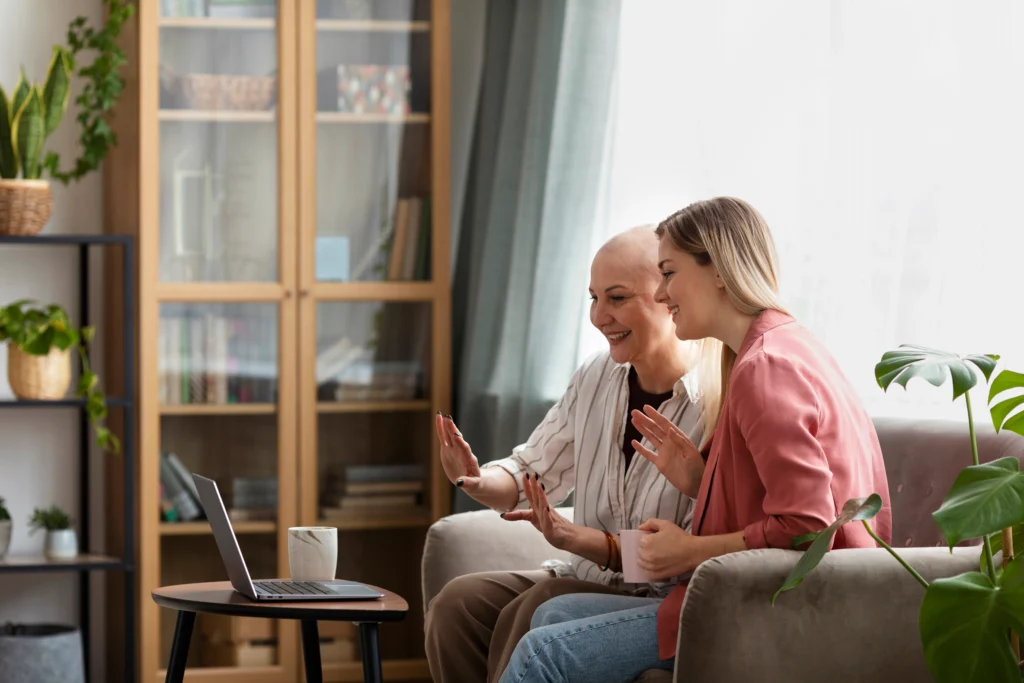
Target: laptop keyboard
x,y
290,588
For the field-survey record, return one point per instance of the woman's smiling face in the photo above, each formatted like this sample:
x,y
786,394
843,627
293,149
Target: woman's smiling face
x,y
691,291
623,282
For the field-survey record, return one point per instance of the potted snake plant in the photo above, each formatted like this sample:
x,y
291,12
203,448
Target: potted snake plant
x,y
32,111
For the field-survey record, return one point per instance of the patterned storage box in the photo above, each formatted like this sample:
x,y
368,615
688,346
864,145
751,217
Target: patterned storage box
x,y
373,89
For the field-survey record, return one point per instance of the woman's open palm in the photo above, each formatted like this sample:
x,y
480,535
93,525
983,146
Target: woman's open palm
x,y
675,456
457,459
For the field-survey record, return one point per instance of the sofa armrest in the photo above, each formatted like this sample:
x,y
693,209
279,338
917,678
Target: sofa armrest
x,y
481,541
854,617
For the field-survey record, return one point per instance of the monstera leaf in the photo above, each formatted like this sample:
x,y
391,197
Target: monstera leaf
x,y
1001,418
965,622
854,510
932,365
984,498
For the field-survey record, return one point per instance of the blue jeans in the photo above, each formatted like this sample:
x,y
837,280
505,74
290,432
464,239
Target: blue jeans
x,y
588,637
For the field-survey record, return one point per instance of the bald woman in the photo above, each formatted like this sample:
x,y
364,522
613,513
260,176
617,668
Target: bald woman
x,y
583,446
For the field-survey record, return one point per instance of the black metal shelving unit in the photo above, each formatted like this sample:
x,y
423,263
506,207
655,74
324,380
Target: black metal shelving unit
x,y
86,562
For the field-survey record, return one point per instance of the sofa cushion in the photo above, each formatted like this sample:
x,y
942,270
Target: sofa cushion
x,y
922,459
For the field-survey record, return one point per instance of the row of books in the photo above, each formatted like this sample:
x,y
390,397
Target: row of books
x,y
207,357
375,491
248,498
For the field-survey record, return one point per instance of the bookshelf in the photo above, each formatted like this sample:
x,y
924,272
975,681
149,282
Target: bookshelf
x,y
293,301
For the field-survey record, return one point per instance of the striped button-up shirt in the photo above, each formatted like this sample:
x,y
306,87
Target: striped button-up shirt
x,y
578,449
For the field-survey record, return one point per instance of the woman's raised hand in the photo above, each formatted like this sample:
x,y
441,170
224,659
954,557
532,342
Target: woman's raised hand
x,y
558,531
457,459
675,456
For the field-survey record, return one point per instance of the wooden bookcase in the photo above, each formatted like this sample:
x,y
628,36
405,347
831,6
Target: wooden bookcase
x,y
284,349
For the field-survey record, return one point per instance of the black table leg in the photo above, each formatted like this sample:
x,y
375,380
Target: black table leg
x,y
311,652
179,647
369,643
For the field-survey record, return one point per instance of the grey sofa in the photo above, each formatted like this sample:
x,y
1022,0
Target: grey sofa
x,y
853,619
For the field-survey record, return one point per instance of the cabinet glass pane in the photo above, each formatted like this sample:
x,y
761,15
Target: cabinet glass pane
x,y
374,436
373,140
218,140
217,354
218,388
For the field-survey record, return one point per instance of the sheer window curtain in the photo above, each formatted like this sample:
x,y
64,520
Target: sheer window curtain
x,y
530,209
881,140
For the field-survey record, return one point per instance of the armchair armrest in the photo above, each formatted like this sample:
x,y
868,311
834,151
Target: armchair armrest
x,y
854,618
481,541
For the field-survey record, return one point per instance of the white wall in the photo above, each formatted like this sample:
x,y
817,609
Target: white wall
x,y
39,448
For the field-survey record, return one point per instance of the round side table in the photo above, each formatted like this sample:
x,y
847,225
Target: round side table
x,y
221,598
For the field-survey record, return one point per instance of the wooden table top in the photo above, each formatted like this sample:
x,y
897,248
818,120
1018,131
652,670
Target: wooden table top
x,y
220,598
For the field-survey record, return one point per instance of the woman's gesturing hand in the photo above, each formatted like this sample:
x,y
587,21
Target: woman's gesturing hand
x,y
676,457
558,531
457,459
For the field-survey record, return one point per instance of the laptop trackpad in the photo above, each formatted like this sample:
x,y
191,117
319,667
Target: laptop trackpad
x,y
349,589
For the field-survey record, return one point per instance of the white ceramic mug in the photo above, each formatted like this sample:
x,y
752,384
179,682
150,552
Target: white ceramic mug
x,y
312,553
629,542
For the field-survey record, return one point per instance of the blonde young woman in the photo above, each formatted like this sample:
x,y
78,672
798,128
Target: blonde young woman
x,y
791,442
585,445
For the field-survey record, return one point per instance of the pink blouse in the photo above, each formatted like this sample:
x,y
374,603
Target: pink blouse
x,y
792,445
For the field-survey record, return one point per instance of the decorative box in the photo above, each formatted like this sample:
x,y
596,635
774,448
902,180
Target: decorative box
x,y
373,89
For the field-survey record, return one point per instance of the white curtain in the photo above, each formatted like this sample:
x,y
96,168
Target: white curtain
x,y
884,143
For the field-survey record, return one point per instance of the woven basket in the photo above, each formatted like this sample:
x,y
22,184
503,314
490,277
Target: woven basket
x,y
38,378
25,206
227,92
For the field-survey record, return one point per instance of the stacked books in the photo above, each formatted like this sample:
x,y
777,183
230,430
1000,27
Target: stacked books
x,y
179,498
373,491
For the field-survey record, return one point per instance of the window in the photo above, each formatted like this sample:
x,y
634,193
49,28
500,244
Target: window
x,y
883,142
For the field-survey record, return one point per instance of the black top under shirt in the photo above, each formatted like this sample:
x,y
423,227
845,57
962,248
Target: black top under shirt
x,y
638,398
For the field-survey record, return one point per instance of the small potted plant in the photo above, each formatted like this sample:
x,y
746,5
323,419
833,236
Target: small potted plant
x,y
39,343
61,539
5,529
32,111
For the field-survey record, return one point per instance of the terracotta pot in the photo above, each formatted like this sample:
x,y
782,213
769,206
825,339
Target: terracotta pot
x,y
25,206
38,378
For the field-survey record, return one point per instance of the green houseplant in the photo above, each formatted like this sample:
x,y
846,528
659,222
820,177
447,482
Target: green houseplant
x,y
967,622
32,111
39,344
5,529
61,539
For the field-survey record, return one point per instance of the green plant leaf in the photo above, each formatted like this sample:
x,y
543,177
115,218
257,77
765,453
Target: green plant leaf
x,y
41,343
28,134
932,365
997,545
8,159
965,622
854,510
57,90
983,499
1005,381
21,92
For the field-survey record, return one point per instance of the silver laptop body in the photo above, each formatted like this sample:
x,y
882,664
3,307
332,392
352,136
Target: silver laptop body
x,y
231,554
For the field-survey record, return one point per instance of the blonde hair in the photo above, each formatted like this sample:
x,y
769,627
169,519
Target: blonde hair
x,y
731,235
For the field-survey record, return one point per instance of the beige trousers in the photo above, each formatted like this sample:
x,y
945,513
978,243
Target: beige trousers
x,y
474,624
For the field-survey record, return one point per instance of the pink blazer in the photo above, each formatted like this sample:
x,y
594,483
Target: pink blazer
x,y
792,445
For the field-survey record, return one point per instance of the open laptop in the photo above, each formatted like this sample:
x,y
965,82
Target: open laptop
x,y
231,554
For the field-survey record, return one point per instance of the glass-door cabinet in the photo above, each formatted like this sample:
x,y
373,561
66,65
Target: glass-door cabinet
x,y
294,304
373,302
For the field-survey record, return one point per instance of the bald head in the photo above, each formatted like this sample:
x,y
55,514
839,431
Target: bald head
x,y
634,250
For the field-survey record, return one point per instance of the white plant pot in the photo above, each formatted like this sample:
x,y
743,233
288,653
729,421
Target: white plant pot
x,y
5,537
61,544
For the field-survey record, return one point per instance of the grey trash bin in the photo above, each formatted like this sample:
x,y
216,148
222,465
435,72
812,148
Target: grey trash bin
x,y
41,653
